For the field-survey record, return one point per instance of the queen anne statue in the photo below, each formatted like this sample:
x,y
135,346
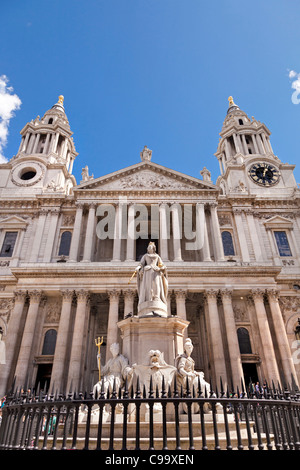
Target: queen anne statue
x,y
152,284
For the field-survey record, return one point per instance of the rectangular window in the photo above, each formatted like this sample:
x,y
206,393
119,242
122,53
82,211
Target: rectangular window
x,y
8,244
282,244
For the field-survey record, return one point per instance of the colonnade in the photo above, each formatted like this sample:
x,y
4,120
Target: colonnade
x,y
21,337
210,249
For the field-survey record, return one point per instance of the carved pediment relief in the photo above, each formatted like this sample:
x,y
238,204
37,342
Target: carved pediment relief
x,y
147,176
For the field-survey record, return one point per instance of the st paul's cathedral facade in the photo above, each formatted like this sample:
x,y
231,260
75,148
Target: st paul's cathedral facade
x,y
68,254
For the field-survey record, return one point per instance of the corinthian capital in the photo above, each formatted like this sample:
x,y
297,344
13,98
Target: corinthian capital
x,y
226,294
82,295
273,294
211,294
180,294
257,294
35,296
113,295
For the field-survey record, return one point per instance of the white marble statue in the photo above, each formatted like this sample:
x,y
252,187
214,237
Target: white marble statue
x,y
155,368
115,370
186,369
152,282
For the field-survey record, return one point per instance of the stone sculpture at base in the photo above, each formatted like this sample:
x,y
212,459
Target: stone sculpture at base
x,y
114,371
157,370
185,365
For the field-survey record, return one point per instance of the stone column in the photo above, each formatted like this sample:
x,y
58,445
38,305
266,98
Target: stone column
x,y
27,338
13,333
113,316
37,139
73,256
255,143
53,214
39,230
46,146
232,339
76,357
90,233
281,336
163,232
117,234
254,237
271,368
216,233
216,336
129,295
58,370
177,231
206,249
130,255
245,146
241,235
180,296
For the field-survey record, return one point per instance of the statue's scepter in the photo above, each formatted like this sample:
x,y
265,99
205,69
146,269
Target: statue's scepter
x,y
132,277
98,343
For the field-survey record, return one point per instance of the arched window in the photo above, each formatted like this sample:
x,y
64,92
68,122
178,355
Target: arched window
x,y
244,341
227,244
49,343
65,243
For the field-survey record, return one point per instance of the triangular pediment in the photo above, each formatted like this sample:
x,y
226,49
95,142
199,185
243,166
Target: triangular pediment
x,y
13,221
277,221
146,176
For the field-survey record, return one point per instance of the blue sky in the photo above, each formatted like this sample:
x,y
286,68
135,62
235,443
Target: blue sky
x,y
153,72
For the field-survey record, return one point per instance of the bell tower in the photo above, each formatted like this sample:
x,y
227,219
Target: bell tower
x,y
246,158
46,154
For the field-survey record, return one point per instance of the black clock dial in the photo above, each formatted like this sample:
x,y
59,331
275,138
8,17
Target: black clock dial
x,y
264,174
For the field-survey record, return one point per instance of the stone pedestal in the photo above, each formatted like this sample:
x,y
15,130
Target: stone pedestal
x,y
154,306
142,334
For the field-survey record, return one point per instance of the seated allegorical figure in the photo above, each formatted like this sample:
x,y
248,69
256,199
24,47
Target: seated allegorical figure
x,y
114,371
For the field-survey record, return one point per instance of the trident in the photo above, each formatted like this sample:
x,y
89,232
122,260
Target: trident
x,y
98,343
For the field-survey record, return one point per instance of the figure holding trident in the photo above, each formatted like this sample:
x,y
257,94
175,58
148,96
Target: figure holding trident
x,y
98,343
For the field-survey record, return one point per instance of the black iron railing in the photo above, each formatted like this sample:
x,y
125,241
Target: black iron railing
x,y
133,419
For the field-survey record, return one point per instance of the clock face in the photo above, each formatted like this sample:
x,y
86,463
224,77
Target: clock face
x,y
264,174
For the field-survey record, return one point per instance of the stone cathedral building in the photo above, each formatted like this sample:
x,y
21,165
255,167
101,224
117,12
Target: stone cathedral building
x,y
62,285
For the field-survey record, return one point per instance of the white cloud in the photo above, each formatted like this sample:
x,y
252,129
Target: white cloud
x,y
9,103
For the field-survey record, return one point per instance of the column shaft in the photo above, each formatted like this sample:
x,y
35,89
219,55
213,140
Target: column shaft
x,y
113,316
58,370
130,256
232,339
163,232
281,336
216,337
271,368
73,256
90,232
13,332
219,255
76,358
27,338
177,231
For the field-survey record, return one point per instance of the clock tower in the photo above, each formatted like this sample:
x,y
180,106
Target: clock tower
x,y
247,162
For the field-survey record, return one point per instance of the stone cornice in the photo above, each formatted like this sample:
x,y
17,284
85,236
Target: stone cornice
x,y
105,270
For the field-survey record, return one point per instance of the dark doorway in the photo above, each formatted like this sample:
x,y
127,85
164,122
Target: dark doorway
x,y
43,376
250,373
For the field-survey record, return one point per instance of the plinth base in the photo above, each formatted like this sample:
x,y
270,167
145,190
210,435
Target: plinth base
x,y
142,334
